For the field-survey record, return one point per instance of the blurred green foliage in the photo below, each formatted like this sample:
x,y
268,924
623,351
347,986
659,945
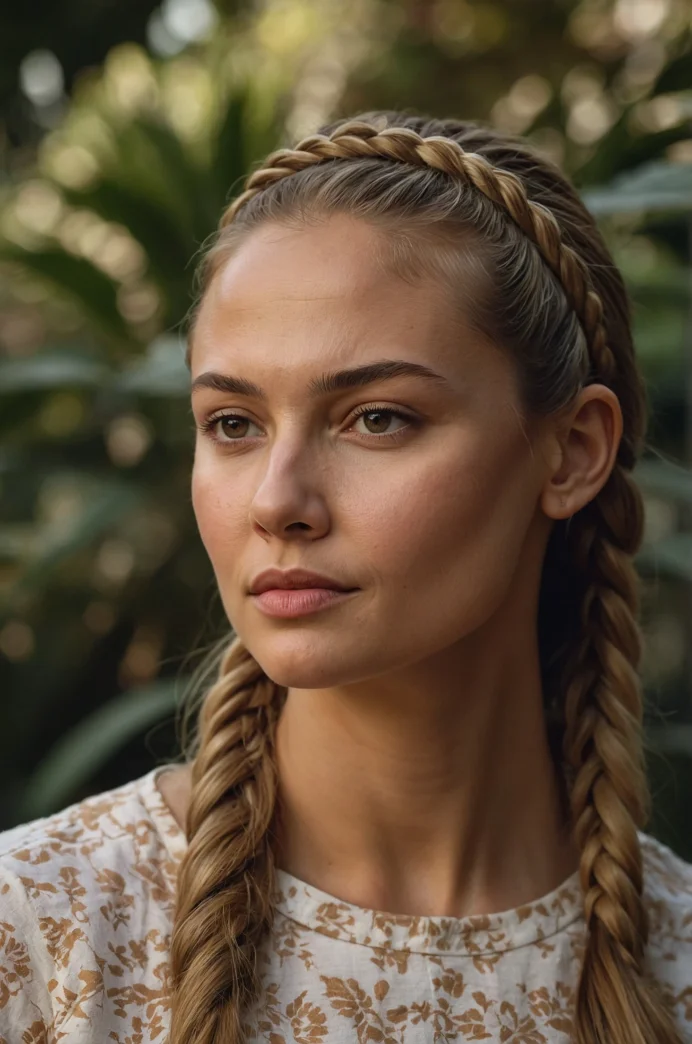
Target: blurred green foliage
x,y
104,586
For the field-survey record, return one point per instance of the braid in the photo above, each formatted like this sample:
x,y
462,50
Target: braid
x,y
227,874
609,795
226,877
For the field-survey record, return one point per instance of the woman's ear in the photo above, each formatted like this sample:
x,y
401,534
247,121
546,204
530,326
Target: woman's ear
x,y
588,436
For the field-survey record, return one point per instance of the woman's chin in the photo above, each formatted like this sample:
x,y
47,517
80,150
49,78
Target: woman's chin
x,y
300,676
307,666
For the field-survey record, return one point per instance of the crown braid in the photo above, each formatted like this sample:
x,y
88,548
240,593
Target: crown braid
x,y
599,691
357,139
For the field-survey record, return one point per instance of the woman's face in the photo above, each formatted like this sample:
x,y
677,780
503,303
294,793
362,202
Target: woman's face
x,y
425,510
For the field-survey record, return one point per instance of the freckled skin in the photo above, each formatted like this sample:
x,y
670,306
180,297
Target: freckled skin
x,y
414,771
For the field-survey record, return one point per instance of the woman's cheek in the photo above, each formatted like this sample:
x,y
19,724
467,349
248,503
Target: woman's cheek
x,y
461,529
218,512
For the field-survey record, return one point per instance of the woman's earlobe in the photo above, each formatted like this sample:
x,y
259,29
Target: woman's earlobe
x,y
556,503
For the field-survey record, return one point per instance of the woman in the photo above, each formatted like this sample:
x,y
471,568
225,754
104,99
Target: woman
x,y
413,807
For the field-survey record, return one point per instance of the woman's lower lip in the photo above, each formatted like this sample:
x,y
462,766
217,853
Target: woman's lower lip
x,y
284,602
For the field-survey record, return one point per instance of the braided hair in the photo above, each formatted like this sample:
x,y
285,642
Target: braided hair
x,y
443,191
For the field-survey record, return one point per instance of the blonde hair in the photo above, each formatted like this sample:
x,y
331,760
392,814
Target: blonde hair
x,y
556,303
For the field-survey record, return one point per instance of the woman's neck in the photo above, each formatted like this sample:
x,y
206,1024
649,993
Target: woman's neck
x,y
441,800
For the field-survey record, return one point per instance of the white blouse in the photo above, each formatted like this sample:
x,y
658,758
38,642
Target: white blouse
x,y
86,904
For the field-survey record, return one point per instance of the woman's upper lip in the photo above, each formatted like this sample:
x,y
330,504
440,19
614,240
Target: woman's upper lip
x,y
293,579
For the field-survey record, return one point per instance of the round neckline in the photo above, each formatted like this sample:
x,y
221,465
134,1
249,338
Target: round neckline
x,y
474,936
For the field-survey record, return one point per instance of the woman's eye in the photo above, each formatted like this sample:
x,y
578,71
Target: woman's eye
x,y
382,420
231,424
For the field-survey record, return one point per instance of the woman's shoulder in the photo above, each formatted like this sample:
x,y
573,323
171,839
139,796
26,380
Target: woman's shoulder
x,y
668,900
119,835
86,904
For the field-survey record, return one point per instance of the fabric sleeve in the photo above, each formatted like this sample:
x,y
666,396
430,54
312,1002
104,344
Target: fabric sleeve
x,y
25,967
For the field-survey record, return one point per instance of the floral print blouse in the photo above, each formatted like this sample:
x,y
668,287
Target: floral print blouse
x,y
86,904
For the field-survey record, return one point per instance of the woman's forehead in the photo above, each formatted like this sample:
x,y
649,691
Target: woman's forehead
x,y
337,259
324,285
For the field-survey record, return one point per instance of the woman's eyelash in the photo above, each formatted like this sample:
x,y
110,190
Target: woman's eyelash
x,y
210,425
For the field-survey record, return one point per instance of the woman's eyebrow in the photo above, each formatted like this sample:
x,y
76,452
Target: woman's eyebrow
x,y
339,380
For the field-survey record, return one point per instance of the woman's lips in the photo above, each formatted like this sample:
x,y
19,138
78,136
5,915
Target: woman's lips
x,y
285,602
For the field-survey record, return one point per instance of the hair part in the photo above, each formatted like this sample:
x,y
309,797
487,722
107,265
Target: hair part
x,y
462,202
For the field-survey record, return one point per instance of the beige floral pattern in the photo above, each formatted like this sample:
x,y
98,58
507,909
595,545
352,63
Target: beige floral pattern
x,y
86,906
